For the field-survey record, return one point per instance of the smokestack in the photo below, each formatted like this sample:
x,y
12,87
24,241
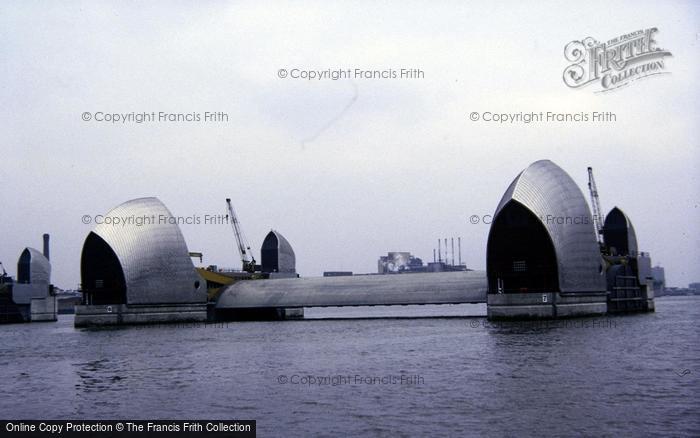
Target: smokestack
x,y
459,249
452,242
46,246
434,256
445,250
439,251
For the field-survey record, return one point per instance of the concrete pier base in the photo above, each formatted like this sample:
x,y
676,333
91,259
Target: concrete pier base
x,y
631,299
43,309
37,310
126,314
547,305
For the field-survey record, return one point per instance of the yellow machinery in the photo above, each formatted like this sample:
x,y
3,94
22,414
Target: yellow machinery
x,y
215,281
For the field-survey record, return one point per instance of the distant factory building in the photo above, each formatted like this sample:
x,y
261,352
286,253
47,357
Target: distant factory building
x,y
659,276
543,259
401,262
398,261
139,272
277,256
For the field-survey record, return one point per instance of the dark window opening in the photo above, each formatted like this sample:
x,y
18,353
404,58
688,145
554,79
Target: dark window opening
x,y
101,272
269,254
520,255
616,233
24,267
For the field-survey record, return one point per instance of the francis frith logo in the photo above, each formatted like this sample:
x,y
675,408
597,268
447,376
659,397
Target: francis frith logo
x,y
615,63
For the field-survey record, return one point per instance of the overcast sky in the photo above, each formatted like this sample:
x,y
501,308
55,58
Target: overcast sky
x,y
346,170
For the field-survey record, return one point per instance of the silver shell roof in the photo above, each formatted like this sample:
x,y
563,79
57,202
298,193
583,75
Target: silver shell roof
x,y
153,256
550,194
39,267
286,256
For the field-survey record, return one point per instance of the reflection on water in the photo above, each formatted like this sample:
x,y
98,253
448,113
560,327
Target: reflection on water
x,y
99,375
633,375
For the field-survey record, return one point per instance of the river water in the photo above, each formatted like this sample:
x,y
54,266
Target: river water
x,y
423,371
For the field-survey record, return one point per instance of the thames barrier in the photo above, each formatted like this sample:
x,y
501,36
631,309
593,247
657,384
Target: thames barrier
x,y
547,257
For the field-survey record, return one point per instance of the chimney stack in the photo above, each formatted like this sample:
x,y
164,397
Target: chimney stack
x,y
46,246
459,246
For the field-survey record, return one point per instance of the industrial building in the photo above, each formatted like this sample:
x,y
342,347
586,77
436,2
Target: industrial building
x,y
403,262
30,298
137,272
399,261
659,277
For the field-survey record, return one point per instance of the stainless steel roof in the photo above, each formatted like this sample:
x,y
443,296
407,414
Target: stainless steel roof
x,y
153,256
550,194
359,290
39,266
286,257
